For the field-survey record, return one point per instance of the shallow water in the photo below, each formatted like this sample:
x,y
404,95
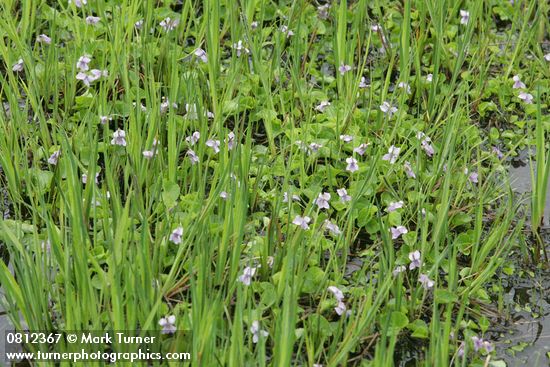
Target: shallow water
x,y
520,179
525,340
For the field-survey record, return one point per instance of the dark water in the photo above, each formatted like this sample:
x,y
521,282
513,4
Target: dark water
x,y
526,339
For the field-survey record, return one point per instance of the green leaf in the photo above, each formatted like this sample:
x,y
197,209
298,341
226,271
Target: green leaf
x,y
170,193
42,179
398,319
313,278
460,219
444,296
319,326
269,294
419,329
394,219
483,295
484,324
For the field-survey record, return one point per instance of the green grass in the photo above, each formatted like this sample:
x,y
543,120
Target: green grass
x,y
99,255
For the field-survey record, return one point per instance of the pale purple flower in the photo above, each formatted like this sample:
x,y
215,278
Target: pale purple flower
x,y
141,106
398,231
405,86
388,109
214,144
344,68
176,235
375,28
526,97
191,110
340,308
168,324
346,138
54,158
464,16
44,39
169,24
333,228
392,155
363,83
85,178
254,25
477,342
420,135
398,270
394,206
361,149
408,170
314,147
429,78
91,20
352,164
321,106
425,143
415,260
497,152
286,31
46,245
239,48
343,193
18,66
94,75
79,3
104,119
247,275
426,282
302,221
518,84
165,105
83,61
473,177
338,294
257,332
488,346
194,138
119,138
148,154
294,197
139,24
224,195
192,157
322,200
461,349
230,141
201,54
85,78
209,115
428,148
322,11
